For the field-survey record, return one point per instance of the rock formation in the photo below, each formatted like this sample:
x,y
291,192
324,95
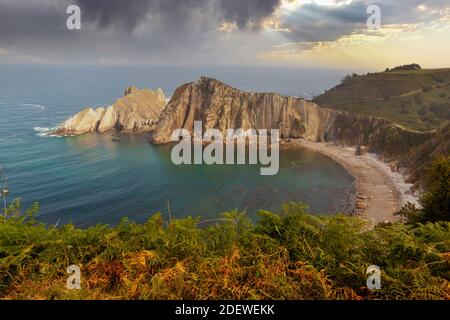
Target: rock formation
x,y
222,107
138,111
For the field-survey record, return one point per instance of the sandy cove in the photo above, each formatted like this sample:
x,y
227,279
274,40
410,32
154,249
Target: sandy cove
x,y
380,191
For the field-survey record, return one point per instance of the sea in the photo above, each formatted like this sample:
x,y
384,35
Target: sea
x,y
91,179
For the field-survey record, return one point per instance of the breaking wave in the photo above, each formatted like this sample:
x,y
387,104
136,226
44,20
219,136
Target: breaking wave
x,y
44,132
34,106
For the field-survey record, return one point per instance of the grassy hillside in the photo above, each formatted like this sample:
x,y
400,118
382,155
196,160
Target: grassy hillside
x,y
420,158
291,255
418,99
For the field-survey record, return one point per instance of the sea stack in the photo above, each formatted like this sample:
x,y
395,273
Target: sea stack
x,y
138,111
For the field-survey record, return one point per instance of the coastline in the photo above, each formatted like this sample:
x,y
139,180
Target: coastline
x,y
380,192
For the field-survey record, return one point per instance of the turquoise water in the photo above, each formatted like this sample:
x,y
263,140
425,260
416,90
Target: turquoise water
x,y
91,179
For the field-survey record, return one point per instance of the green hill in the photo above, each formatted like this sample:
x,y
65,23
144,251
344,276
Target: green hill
x,y
418,99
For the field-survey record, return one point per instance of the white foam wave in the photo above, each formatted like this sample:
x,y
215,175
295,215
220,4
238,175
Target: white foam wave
x,y
398,179
34,106
44,132
41,129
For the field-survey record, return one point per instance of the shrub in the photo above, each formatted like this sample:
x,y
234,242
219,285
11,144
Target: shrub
x,y
427,89
423,110
441,109
436,202
419,99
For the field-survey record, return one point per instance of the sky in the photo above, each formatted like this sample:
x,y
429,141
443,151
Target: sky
x,y
328,34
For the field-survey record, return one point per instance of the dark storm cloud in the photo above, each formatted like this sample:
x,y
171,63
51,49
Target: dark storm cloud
x,y
105,13
127,15
249,11
46,18
134,28
32,20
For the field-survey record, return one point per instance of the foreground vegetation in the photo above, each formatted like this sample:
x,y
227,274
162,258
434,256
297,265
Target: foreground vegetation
x,y
435,203
291,255
285,255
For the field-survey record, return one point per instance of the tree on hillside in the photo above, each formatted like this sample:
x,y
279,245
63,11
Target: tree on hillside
x,y
406,67
436,202
348,78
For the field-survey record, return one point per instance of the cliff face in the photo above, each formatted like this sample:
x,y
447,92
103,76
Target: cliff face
x,y
380,136
137,111
222,107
